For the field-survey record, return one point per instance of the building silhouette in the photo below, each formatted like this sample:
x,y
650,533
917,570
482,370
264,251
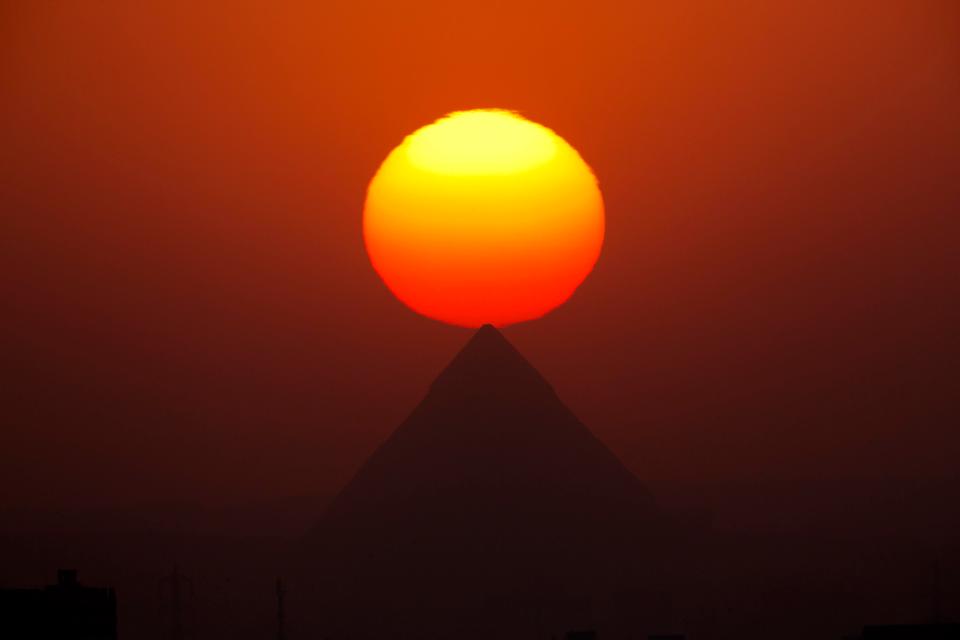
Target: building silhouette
x,y
65,611
912,632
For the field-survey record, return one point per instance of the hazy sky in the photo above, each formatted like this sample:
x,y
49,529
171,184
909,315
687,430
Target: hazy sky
x,y
189,313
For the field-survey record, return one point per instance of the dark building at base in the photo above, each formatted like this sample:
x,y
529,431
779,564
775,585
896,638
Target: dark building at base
x,y
912,632
66,610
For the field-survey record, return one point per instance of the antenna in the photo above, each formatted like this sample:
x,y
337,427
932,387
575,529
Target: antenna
x,y
281,594
937,595
175,593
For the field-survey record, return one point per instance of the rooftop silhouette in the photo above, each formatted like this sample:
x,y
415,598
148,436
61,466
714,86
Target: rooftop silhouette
x,y
63,610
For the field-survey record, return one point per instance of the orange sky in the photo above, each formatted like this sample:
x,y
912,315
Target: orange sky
x,y
188,305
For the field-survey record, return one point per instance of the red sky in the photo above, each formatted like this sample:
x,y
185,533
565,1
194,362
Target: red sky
x,y
188,311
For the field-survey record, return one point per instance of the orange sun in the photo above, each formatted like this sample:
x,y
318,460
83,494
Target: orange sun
x,y
483,217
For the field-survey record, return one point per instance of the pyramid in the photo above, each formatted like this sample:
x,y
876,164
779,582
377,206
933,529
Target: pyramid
x,y
490,491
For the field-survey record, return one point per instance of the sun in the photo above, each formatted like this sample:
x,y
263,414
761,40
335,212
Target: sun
x,y
483,217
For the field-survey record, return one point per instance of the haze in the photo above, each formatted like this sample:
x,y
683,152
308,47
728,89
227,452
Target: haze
x,y
189,313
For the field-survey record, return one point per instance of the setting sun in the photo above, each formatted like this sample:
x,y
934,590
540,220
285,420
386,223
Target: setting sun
x,y
483,217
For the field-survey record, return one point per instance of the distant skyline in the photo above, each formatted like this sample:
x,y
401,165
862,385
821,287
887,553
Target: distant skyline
x,y
189,313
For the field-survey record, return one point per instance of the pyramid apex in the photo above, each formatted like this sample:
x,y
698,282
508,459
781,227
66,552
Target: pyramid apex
x,y
488,329
489,363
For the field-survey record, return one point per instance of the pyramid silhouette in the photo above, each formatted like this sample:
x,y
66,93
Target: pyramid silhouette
x,y
490,491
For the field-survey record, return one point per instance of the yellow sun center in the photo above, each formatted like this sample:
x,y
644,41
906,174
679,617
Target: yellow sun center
x,y
480,142
483,217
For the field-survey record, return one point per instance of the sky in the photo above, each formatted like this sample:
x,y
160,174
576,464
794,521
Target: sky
x,y
189,312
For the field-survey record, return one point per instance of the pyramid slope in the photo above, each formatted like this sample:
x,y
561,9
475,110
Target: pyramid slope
x,y
490,459
491,508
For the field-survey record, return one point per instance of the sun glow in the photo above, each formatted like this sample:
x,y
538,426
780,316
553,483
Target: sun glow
x,y
483,217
